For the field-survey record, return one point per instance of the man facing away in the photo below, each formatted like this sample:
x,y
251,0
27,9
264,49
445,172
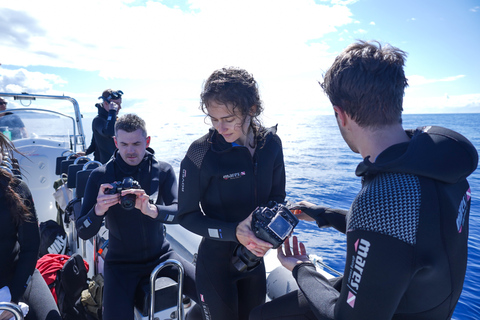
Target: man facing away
x,y
407,229
136,238
103,125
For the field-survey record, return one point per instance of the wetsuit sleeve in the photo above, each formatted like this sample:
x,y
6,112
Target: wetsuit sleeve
x,y
88,223
29,241
327,217
189,212
377,273
91,148
107,128
278,192
167,201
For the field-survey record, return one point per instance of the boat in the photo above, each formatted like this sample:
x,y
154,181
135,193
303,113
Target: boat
x,y
53,146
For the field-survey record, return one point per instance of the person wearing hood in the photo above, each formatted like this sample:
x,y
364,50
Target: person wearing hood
x,y
225,175
407,229
136,194
103,125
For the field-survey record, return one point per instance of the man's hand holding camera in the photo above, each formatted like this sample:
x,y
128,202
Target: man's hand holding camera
x,y
142,202
127,193
105,201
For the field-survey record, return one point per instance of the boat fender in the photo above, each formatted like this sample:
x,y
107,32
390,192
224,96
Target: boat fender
x,y
279,282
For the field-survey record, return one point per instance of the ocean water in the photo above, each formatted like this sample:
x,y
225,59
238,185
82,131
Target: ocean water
x,y
320,168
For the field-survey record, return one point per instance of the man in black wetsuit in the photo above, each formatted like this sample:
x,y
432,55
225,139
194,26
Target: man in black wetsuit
x,y
407,229
103,125
136,239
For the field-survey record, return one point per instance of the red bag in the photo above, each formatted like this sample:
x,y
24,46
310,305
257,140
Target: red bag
x,y
49,265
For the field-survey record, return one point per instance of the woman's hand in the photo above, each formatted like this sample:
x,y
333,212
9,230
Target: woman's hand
x,y
247,238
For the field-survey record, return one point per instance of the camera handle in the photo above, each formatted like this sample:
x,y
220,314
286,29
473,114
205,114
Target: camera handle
x,y
244,260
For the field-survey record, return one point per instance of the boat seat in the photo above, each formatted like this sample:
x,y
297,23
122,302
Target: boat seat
x,y
73,169
82,177
167,293
58,167
67,162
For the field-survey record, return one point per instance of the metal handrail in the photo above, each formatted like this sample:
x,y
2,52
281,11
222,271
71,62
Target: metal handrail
x,y
153,277
86,165
13,308
77,160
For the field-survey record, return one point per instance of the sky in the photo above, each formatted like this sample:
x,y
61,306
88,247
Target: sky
x,y
159,53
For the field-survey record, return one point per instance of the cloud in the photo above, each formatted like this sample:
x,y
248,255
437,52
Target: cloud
x,y
173,49
155,41
360,31
17,28
22,80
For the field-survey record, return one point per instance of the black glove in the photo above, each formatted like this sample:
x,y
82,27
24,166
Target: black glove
x,y
315,212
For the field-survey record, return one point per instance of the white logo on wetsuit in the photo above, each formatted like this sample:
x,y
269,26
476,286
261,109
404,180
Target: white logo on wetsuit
x,y
184,174
235,175
362,247
462,210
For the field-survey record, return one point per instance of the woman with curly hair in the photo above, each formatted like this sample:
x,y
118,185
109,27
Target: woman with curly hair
x,y
19,243
236,167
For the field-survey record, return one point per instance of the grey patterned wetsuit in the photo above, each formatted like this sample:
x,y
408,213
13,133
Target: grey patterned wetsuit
x,y
407,234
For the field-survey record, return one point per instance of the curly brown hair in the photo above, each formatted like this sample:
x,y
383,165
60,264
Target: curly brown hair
x,y
13,200
236,87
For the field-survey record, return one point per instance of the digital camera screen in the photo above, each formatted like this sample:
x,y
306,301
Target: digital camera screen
x,y
280,226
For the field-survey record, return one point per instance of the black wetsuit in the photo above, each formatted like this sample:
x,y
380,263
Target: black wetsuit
x,y
103,130
136,242
407,234
228,183
92,148
18,257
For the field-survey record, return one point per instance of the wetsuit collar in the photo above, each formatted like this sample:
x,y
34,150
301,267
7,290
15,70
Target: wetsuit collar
x,y
432,152
128,169
101,110
220,145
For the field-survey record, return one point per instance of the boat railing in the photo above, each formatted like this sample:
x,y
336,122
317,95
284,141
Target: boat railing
x,y
12,308
153,278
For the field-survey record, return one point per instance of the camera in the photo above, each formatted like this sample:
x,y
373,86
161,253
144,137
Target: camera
x,y
127,201
273,224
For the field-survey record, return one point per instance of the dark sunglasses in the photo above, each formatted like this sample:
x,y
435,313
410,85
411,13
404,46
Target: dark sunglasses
x,y
1,102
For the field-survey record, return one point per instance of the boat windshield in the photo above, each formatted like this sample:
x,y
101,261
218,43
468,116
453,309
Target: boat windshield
x,y
39,124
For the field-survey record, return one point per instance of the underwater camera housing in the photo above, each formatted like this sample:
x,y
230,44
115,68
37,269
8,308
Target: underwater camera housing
x,y
272,224
127,201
